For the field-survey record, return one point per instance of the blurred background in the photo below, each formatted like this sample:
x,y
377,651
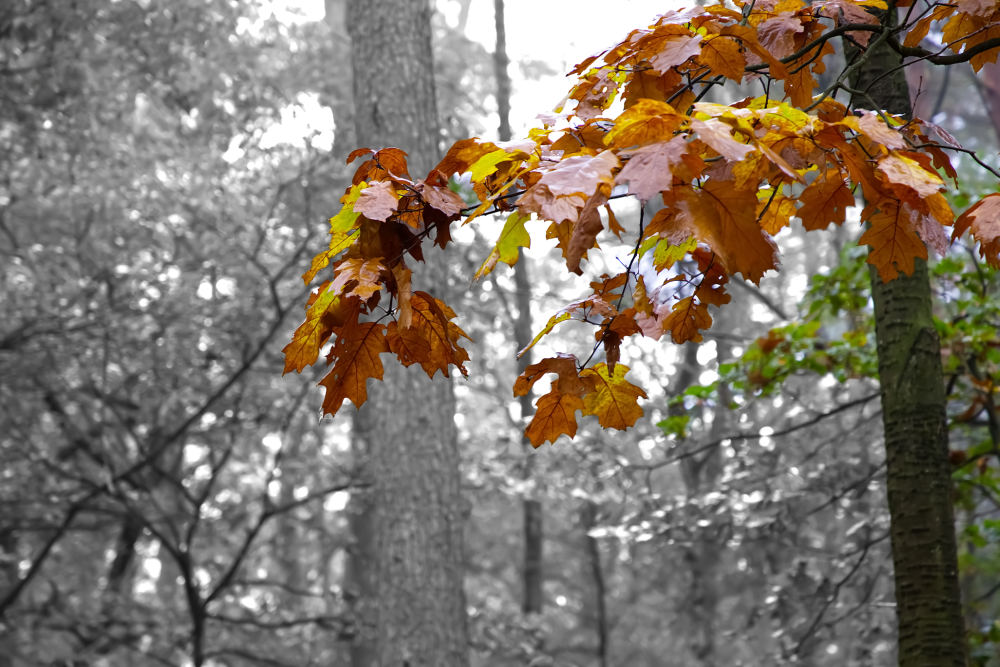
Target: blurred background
x,y
166,172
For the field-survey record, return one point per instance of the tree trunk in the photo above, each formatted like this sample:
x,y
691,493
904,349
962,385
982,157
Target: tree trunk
x,y
408,424
918,476
532,571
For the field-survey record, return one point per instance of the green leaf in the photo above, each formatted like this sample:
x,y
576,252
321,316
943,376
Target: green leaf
x,y
512,238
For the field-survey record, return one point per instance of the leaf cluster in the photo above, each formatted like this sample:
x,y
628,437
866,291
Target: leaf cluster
x,y
730,177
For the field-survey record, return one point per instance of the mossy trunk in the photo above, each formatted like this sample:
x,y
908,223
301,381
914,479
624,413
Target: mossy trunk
x,y
918,475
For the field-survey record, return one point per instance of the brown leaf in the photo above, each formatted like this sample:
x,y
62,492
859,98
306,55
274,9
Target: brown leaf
x,y
378,201
360,277
555,414
983,219
431,321
825,200
356,354
650,169
894,244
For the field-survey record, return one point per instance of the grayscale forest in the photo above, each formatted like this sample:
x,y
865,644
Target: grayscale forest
x,y
201,200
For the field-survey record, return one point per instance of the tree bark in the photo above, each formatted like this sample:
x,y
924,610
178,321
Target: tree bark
x,y
918,476
532,571
418,615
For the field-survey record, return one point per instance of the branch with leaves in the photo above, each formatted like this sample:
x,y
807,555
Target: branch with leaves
x,y
730,178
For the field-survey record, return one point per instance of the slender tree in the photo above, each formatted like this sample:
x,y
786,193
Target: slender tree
x,y
532,569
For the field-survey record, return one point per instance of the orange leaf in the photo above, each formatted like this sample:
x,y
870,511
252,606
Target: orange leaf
x,y
555,414
409,346
825,200
686,320
431,321
876,129
894,244
563,365
675,50
585,231
726,220
311,335
983,218
614,400
719,136
356,351
906,171
724,56
645,122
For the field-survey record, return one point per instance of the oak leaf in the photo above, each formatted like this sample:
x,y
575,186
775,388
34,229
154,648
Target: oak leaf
x,y
686,320
718,135
825,200
650,169
555,414
645,122
355,357
361,277
614,400
378,201
983,219
512,238
893,242
432,321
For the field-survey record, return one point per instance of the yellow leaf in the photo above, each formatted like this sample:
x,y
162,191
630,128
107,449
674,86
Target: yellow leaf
x,y
614,400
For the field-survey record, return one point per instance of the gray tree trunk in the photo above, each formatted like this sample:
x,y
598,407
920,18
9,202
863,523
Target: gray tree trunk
x,y
928,604
418,612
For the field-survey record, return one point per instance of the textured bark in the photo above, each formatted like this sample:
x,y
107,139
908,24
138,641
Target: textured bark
x,y
918,476
407,425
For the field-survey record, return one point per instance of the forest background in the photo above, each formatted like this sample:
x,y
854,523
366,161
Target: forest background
x,y
168,498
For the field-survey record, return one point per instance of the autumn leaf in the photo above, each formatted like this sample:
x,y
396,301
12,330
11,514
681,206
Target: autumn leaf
x,y
893,242
432,321
561,316
311,335
487,164
718,135
378,201
825,200
674,49
356,358
645,122
775,213
585,231
555,414
563,365
342,233
650,169
876,129
441,198
581,174
361,277
409,344
724,56
687,319
726,220
614,400
983,219
904,170
512,238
